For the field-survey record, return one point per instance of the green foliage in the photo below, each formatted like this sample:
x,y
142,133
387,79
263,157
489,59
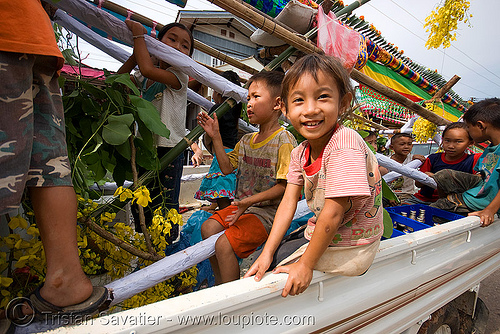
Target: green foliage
x,y
388,225
388,193
99,125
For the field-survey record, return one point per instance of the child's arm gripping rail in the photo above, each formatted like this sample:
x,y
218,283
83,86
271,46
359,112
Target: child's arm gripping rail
x,y
327,224
143,58
487,215
282,220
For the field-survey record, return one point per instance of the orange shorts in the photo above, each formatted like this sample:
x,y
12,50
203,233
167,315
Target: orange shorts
x,y
245,235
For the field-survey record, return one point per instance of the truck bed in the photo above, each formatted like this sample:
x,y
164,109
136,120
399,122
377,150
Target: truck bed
x,y
412,276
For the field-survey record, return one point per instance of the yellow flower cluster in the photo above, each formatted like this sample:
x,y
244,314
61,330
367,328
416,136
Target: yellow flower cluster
x,y
423,130
85,206
141,195
25,257
444,20
174,286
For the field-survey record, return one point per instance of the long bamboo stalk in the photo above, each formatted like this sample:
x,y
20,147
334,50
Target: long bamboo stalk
x,y
224,57
238,8
197,44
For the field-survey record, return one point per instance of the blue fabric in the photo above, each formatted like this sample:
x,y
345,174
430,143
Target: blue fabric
x,y
296,223
193,225
217,185
488,166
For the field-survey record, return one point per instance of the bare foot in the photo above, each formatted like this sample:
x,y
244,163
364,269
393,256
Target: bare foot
x,y
65,291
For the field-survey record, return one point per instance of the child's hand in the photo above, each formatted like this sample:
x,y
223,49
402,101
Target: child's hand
x,y
419,157
487,216
299,278
209,124
242,206
259,267
429,174
197,158
135,27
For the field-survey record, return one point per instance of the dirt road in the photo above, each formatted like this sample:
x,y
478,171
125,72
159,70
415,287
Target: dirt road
x,y
489,292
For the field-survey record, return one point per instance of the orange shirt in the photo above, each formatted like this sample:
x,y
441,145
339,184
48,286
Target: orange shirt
x,y
26,28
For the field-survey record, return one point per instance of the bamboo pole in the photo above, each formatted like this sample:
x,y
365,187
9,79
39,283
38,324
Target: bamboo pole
x,y
240,9
197,44
225,58
124,11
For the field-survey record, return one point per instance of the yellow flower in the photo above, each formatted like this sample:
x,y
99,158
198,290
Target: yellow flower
x,y
124,193
18,221
107,217
142,196
167,228
33,231
157,220
175,217
23,260
6,281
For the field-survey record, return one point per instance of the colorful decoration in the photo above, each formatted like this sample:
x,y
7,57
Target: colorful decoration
x,y
269,7
379,106
406,87
363,53
399,67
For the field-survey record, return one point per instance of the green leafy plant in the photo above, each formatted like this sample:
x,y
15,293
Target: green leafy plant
x,y
102,126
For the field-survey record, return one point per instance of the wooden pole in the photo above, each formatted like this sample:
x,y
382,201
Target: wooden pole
x,y
447,86
197,44
270,26
225,58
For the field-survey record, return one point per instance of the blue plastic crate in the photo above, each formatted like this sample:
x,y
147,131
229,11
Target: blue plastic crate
x,y
403,225
432,215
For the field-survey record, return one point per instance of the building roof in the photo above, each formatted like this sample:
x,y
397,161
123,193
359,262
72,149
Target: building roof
x,y
223,18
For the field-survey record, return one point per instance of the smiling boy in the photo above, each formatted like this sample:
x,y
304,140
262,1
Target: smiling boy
x,y
262,160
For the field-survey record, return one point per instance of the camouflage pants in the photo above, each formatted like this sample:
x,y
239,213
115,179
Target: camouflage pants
x,y
453,183
32,132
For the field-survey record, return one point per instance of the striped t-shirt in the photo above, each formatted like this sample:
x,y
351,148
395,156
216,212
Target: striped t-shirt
x,y
346,168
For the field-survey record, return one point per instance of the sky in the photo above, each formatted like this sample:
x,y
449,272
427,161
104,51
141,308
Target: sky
x,y
473,56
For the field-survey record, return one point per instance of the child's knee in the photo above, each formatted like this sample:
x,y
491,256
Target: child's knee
x,y
223,246
210,227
